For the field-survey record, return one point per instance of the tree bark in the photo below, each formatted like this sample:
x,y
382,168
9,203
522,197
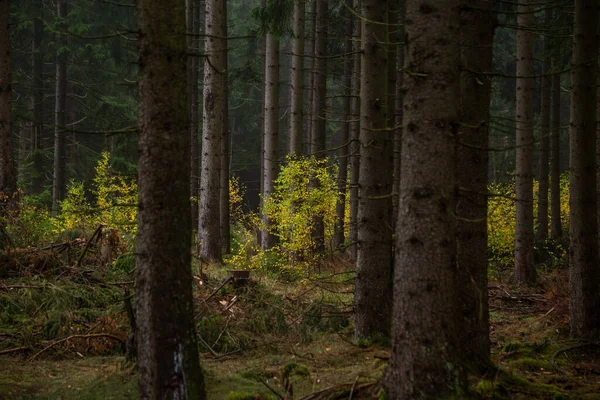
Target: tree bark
x,y
354,140
271,136
8,178
584,276
425,361
340,209
209,229
373,291
478,23
225,156
555,221
37,107
192,18
59,184
319,112
297,80
166,341
543,186
398,109
524,271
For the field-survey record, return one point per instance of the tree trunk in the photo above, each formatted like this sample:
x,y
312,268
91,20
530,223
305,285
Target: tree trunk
x,y
209,230
8,178
340,209
524,271
398,104
354,140
542,212
311,76
192,18
426,362
271,135
319,112
478,23
555,222
297,80
166,341
584,277
373,292
225,149
59,184
37,178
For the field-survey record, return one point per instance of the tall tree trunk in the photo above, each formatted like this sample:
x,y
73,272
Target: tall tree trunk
x,y
373,292
354,140
225,149
396,103
319,112
166,341
584,263
340,209
425,360
8,178
37,178
59,184
209,230
297,80
555,222
476,40
524,271
192,18
542,212
311,76
271,135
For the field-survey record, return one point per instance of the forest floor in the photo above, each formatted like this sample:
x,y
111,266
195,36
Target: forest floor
x,y
257,339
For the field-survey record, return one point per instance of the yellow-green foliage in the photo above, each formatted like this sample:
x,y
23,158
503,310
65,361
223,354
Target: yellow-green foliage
x,y
502,218
294,204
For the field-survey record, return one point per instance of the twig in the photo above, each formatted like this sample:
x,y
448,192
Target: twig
x,y
564,350
92,335
353,386
214,353
271,389
219,288
87,245
6,287
16,349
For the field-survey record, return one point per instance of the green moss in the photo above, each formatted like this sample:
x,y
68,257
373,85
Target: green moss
x,y
530,364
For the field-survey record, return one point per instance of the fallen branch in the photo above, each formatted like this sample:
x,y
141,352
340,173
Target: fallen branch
x,y
571,348
97,232
15,350
92,335
219,288
271,389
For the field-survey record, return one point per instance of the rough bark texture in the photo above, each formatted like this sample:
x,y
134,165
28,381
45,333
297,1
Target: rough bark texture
x,y
297,80
37,177
209,230
476,40
311,76
373,291
584,277
398,109
59,183
555,222
340,209
425,358
354,141
271,135
192,18
8,178
166,341
542,212
225,155
319,113
524,271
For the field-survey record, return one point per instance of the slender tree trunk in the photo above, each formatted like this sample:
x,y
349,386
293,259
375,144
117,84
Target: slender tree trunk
x,y
555,222
37,178
319,112
542,212
584,263
355,149
476,40
209,229
297,80
271,135
59,186
524,272
426,362
311,76
8,178
340,210
398,103
373,291
192,17
225,149
166,341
